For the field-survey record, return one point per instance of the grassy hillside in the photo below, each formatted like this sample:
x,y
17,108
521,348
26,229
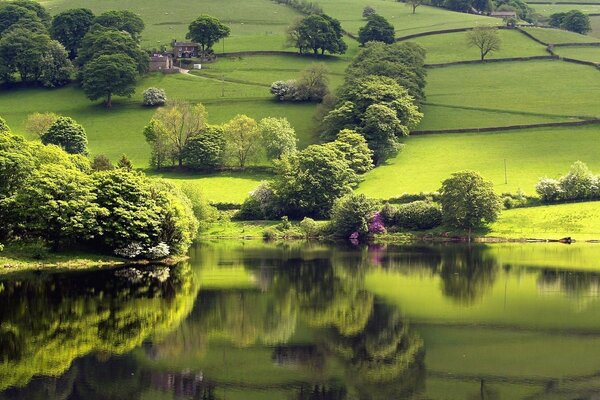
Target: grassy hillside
x,y
555,36
255,24
530,154
549,9
453,47
591,53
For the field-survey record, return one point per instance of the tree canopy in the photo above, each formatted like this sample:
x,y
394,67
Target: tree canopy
x,y
377,29
109,75
206,31
122,20
70,26
318,33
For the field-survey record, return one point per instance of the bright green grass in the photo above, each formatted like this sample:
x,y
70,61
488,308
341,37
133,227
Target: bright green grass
x,y
555,88
453,47
554,36
549,9
400,15
530,154
229,187
580,221
591,53
117,131
255,24
264,70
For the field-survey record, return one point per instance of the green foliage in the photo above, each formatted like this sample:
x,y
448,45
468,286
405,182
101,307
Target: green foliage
x,y
70,26
468,201
355,149
100,41
416,215
242,136
574,21
4,128
368,11
377,29
318,33
261,204
102,163
205,151
68,134
125,163
24,51
12,14
206,31
278,137
154,97
56,68
352,213
108,75
578,184
121,20
309,182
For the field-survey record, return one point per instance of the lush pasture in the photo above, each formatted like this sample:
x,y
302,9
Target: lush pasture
x,y
529,154
554,88
555,36
587,53
255,24
595,24
451,47
119,130
400,15
549,9
264,70
580,221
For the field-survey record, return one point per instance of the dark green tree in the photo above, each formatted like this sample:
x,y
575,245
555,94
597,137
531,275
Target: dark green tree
x,y
468,201
109,75
14,15
206,150
68,134
122,20
23,51
56,69
318,33
355,149
102,41
377,29
351,214
70,26
576,21
36,8
206,31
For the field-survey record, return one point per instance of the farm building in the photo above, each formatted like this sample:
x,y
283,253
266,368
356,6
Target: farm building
x,y
161,63
185,49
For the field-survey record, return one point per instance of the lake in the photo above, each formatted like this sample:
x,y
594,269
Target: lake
x,y
252,320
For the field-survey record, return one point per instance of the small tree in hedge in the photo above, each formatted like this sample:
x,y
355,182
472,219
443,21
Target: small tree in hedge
x,y
207,150
68,134
154,97
468,201
351,214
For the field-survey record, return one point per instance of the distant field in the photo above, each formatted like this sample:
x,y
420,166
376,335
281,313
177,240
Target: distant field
x,y
580,221
591,53
555,36
451,47
553,88
549,9
530,154
595,24
117,131
426,19
255,24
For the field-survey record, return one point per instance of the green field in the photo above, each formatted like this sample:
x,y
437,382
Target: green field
x,y
255,24
426,19
530,154
587,53
555,36
451,47
549,9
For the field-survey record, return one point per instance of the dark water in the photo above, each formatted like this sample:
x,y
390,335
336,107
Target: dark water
x,y
248,320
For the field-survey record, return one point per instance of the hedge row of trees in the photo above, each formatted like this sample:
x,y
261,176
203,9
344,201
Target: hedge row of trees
x,y
180,136
51,195
574,21
578,184
317,33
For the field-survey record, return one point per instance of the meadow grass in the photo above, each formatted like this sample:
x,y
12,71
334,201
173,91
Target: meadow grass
x,y
591,53
400,15
556,36
554,88
255,24
531,154
549,9
595,25
119,130
581,221
451,47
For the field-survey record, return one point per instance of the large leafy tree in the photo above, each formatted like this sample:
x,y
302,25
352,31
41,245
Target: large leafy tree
x,y
468,201
318,33
109,75
207,150
243,137
278,137
56,66
576,21
356,150
68,134
377,29
206,31
38,9
122,20
102,41
70,26
12,14
23,51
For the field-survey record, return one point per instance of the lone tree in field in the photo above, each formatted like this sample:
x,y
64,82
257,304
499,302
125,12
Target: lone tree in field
x,y
485,39
206,31
414,4
108,75
468,201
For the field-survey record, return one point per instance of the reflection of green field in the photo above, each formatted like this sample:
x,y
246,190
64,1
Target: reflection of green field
x,y
255,24
451,47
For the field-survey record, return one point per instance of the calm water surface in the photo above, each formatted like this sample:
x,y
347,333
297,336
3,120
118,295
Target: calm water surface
x,y
248,320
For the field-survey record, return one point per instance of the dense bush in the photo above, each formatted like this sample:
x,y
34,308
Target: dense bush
x,y
418,215
578,184
284,90
310,86
377,29
154,97
368,11
411,197
574,21
262,203
207,150
68,134
351,214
